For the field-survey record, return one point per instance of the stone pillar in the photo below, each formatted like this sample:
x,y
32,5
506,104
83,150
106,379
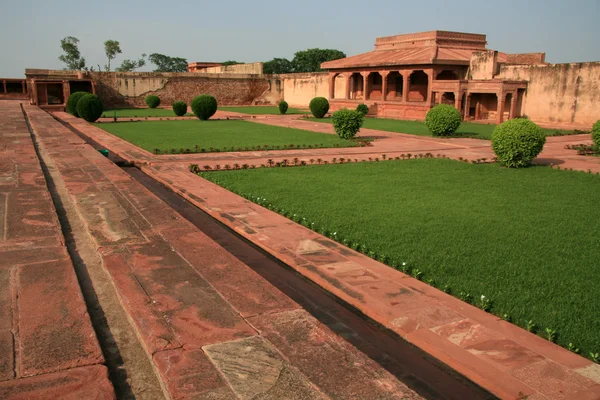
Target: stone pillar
x,y
500,108
384,88
348,85
513,106
430,97
458,100
24,87
405,85
331,86
365,76
467,107
477,111
66,91
33,97
4,85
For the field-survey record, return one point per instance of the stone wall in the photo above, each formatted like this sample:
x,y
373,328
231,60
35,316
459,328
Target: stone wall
x,y
559,94
249,69
483,65
130,89
300,89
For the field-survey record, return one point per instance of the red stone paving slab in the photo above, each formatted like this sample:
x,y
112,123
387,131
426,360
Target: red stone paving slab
x,y
335,366
45,331
74,384
182,290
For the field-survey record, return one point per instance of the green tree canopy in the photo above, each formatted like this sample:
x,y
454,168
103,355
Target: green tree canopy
x,y
168,64
111,48
230,62
72,56
278,66
131,65
310,60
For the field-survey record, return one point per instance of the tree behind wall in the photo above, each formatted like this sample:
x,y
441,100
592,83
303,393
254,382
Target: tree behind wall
x,y
168,64
278,66
72,56
111,48
131,65
310,60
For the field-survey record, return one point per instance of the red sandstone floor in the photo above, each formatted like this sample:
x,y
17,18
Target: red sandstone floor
x,y
501,357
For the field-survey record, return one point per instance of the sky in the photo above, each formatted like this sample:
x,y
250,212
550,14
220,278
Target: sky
x,y
250,31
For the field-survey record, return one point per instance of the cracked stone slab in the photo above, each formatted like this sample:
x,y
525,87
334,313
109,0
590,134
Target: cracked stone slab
x,y
255,370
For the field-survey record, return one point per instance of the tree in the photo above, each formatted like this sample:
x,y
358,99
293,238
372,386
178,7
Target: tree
x,y
72,56
111,48
168,64
230,62
278,66
131,65
310,60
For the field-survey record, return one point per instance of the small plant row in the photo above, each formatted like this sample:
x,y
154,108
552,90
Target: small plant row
x,y
483,302
567,133
584,149
198,149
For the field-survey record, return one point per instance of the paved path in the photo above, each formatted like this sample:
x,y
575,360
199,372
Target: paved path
x,y
211,325
48,348
503,358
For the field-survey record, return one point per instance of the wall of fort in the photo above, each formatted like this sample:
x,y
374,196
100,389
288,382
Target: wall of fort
x,y
559,94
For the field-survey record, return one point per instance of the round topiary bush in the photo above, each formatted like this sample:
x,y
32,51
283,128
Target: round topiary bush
x,y
204,106
596,134
89,107
283,107
517,141
152,101
363,109
179,108
442,120
319,107
347,122
72,102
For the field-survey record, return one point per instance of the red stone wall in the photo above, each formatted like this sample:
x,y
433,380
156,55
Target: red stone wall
x,y
526,58
227,90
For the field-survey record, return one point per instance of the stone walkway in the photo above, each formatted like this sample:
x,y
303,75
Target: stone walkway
x,y
48,348
509,361
211,325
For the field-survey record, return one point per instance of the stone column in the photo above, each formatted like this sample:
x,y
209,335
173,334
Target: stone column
x,y
467,107
34,98
405,85
331,86
4,85
500,108
477,111
24,87
430,98
66,91
348,85
458,100
365,76
513,106
384,88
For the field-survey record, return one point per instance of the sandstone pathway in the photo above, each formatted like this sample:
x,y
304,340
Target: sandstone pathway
x,y
212,327
508,361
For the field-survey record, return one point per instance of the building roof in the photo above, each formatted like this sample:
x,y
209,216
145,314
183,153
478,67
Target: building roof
x,y
433,47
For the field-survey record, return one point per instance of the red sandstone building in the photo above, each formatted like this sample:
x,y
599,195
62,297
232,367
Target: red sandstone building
x,y
407,74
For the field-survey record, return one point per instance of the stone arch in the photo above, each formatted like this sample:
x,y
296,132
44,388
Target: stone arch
x,y
395,84
448,98
338,90
419,86
374,86
356,86
447,75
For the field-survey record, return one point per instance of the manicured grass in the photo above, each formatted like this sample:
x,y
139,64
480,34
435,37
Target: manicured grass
x,y
218,134
467,129
142,112
261,110
526,239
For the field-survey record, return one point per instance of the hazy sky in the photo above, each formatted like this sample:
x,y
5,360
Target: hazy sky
x,y
248,31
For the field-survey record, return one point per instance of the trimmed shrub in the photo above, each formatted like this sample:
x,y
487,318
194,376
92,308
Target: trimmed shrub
x,y
72,102
517,141
363,109
179,108
283,107
442,120
347,122
596,134
90,107
152,101
319,107
204,106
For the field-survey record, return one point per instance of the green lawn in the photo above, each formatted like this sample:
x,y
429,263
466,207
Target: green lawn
x,y
141,112
261,110
218,134
526,239
467,129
